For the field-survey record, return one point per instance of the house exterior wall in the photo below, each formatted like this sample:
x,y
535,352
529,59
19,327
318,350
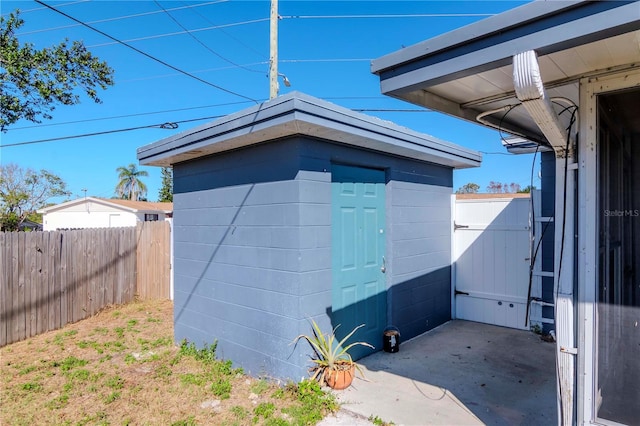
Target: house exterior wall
x,y
102,218
253,248
90,214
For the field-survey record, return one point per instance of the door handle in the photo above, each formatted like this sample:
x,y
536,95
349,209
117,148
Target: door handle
x,y
383,268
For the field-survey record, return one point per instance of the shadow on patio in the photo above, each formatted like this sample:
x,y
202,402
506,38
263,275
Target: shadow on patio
x,y
460,373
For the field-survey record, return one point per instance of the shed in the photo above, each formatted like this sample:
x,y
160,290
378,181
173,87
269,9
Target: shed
x,y
298,209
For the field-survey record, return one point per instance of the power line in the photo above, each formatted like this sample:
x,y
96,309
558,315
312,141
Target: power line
x,y
327,60
416,15
170,125
249,65
80,136
40,8
249,47
228,67
127,115
389,110
201,43
167,125
146,54
215,27
117,18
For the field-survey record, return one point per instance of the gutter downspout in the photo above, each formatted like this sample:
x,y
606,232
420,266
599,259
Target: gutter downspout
x,y
529,89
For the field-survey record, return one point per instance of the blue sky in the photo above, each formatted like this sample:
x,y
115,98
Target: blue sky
x,y
325,48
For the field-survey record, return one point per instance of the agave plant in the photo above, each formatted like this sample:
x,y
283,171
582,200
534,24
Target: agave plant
x,y
329,354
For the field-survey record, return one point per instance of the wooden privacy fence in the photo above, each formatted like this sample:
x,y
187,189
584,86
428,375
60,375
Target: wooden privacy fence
x,y
49,279
153,260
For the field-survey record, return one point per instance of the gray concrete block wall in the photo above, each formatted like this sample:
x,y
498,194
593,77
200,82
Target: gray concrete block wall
x,y
419,215
240,253
253,248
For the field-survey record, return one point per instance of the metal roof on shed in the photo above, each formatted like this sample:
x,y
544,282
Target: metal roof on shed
x,y
300,114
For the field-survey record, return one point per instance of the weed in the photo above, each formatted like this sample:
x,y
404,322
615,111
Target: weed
x,y
107,357
83,344
163,371
163,341
221,388
259,387
70,363
129,359
31,387
152,319
80,374
101,330
70,333
115,382
279,393
27,370
276,421
117,314
379,422
265,409
58,402
59,340
207,354
315,403
131,323
115,345
112,397
144,344
119,332
151,357
192,379
240,412
189,421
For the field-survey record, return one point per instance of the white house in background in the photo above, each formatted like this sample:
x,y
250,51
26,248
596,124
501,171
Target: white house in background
x,y
91,212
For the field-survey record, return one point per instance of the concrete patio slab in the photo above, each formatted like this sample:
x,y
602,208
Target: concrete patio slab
x,y
461,373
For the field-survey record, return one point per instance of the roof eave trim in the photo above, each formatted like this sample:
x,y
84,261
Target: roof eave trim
x,y
305,116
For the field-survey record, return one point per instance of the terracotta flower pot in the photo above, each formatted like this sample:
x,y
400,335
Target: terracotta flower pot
x,y
340,377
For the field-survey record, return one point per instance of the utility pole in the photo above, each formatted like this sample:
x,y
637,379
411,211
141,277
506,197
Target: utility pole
x,y
273,51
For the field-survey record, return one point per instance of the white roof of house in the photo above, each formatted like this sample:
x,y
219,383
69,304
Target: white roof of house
x,y
469,71
299,114
125,205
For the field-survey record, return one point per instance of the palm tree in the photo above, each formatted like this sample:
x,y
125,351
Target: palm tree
x,y
130,186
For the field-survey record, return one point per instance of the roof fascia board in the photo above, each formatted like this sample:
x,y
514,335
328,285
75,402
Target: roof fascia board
x,y
483,28
231,123
596,20
298,114
379,129
81,201
398,143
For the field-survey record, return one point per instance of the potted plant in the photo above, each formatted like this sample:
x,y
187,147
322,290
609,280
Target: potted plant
x,y
332,363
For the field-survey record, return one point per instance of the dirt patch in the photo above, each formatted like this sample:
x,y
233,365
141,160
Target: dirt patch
x,y
122,367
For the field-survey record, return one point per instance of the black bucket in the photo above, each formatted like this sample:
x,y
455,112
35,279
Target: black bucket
x,y
391,339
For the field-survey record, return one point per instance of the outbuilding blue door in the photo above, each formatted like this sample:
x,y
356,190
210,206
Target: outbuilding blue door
x,y
358,255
